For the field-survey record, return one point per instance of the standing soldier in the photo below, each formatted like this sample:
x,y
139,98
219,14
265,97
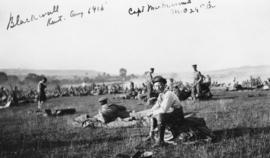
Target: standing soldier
x,y
196,87
3,94
14,95
171,84
41,92
149,82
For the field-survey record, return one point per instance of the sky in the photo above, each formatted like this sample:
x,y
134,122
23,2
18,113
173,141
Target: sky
x,y
233,33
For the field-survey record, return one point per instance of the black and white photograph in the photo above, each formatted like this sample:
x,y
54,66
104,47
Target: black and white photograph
x,y
134,78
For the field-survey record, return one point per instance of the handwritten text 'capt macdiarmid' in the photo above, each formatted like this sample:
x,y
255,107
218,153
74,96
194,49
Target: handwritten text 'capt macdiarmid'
x,y
176,7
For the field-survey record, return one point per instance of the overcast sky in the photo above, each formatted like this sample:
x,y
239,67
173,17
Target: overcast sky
x,y
233,34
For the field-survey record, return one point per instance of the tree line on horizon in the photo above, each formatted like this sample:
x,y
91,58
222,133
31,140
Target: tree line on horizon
x,y
32,78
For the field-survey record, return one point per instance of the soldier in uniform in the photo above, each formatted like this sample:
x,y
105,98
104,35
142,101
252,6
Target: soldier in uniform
x,y
171,84
149,82
167,111
41,92
197,80
14,95
109,112
3,94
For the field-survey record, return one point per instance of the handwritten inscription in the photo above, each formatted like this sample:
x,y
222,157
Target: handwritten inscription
x,y
18,20
193,10
142,9
95,9
175,7
52,21
73,14
53,16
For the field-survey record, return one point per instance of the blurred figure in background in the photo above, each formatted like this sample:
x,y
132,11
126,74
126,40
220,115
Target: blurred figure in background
x,y
171,84
197,80
149,82
41,93
14,96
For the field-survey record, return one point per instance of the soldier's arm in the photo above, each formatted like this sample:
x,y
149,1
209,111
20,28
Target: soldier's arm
x,y
38,88
200,77
165,105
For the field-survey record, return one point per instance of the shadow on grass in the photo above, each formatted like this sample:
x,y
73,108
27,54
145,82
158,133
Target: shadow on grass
x,y
224,97
224,134
50,144
239,132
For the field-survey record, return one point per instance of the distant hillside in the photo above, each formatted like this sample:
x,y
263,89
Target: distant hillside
x,y
241,73
227,75
60,74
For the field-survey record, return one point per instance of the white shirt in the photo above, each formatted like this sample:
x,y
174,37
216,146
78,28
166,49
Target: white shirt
x,y
166,103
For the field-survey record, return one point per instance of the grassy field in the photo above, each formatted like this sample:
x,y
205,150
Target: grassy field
x,y
240,120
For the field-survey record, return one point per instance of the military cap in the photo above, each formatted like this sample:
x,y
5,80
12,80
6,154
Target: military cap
x,y
159,79
102,99
44,79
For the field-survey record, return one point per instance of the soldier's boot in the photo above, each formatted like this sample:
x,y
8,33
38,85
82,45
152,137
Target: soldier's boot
x,y
160,141
175,132
150,137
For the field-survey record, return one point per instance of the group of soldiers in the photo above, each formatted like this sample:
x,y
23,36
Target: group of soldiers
x,y
166,113
250,84
16,96
196,90
30,95
143,92
92,89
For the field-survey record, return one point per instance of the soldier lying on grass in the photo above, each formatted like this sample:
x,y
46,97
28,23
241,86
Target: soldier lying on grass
x,y
110,112
107,113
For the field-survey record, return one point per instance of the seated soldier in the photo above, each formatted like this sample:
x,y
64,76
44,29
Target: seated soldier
x,y
205,85
207,81
167,111
4,94
110,112
131,93
182,93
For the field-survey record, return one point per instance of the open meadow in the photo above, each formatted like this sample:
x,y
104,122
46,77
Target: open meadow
x,y
240,121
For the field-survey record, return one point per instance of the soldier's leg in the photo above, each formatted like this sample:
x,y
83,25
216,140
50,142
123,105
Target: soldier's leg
x,y
39,106
153,125
163,120
38,101
149,90
177,120
198,89
193,92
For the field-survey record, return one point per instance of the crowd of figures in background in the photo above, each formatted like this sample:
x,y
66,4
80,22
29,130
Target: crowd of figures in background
x,y
15,95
